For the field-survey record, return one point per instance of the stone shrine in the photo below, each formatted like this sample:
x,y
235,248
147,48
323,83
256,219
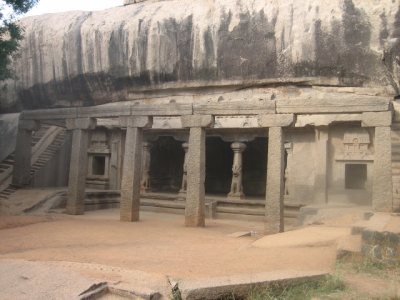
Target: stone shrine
x,y
246,102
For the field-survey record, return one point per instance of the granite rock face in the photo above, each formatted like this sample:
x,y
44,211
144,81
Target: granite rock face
x,y
89,58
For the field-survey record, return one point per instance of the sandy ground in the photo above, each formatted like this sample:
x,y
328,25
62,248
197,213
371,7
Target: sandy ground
x,y
57,256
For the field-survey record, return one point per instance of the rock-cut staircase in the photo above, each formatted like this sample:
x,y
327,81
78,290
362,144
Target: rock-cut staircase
x,y
45,143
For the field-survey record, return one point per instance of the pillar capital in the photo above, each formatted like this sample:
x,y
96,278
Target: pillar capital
x,y
377,119
136,121
81,123
238,147
198,121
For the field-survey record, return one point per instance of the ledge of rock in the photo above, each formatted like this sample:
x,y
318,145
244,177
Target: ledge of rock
x,y
89,58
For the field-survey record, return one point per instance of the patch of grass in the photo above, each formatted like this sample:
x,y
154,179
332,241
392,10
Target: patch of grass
x,y
294,291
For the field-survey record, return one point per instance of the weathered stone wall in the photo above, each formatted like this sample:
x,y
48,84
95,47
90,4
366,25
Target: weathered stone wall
x,y
8,134
89,58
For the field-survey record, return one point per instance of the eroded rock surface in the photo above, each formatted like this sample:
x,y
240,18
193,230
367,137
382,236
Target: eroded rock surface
x,y
89,58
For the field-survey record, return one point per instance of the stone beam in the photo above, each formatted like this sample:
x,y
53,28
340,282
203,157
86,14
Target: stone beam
x,y
171,109
198,121
49,114
377,119
113,110
234,108
325,119
314,106
81,124
382,195
273,222
131,170
275,120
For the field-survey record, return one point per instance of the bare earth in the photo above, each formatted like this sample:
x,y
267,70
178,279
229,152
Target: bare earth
x,y
56,256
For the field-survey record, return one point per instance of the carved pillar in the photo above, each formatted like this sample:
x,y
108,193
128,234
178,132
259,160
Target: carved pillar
x,y
145,182
273,222
78,165
321,164
196,169
236,186
23,152
382,195
130,186
182,192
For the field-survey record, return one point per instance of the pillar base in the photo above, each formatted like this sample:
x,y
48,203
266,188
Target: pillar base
x,y
181,196
75,210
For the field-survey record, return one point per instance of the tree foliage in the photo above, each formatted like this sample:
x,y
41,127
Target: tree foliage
x,y
11,33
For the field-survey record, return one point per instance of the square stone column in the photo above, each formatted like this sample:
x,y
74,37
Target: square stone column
x,y
78,165
321,163
273,222
382,194
23,152
131,170
196,169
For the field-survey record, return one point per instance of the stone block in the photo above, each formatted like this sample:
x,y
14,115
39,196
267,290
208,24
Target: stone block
x,y
275,120
167,123
241,285
136,121
48,114
172,109
374,119
30,125
308,106
325,119
81,123
198,121
234,108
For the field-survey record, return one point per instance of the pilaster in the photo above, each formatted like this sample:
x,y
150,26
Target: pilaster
x,y
321,163
382,197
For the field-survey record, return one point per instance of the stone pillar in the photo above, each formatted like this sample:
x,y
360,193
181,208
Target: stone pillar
x,y
196,169
288,192
145,182
382,197
23,152
182,192
236,186
273,222
321,164
114,159
78,164
130,185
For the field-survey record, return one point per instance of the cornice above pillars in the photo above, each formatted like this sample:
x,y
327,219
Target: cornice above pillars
x,y
279,120
136,121
30,125
81,123
198,121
